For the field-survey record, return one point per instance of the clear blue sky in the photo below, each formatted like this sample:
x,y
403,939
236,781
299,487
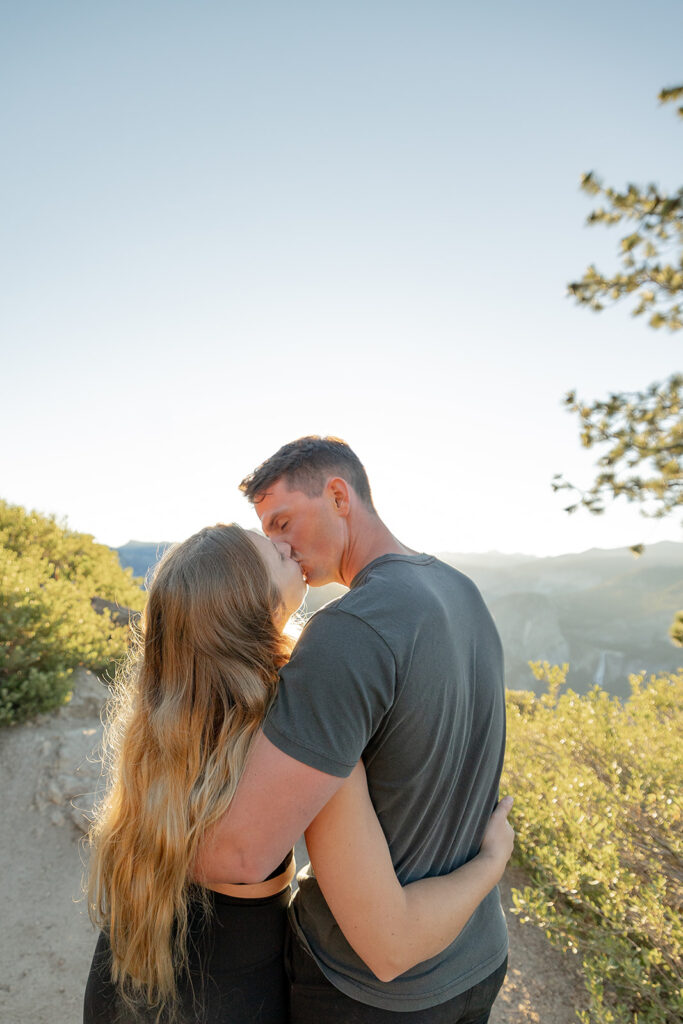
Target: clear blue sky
x,y
226,225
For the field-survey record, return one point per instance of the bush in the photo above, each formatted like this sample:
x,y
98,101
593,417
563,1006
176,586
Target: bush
x,y
597,787
48,625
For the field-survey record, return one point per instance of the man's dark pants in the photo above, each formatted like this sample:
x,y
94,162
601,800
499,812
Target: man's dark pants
x,y
314,999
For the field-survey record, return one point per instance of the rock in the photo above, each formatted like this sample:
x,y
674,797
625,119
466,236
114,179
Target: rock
x,y
88,696
72,778
120,615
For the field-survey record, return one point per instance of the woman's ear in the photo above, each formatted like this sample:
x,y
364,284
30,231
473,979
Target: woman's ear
x,y
280,617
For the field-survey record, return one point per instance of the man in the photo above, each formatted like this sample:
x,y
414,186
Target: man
x,y
405,672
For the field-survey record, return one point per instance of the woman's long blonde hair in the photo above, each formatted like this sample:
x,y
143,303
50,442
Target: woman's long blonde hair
x,y
183,718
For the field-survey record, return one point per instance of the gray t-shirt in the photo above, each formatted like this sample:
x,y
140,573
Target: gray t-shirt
x,y
405,671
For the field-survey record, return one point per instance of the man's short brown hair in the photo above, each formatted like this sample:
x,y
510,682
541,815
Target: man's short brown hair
x,y
305,464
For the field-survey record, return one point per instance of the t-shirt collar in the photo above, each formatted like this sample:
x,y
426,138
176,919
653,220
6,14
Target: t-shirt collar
x,y
396,556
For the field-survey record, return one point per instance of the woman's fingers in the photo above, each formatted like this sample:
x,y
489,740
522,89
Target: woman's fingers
x,y
505,805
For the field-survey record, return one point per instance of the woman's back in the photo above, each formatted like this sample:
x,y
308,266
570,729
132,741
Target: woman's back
x,y
184,717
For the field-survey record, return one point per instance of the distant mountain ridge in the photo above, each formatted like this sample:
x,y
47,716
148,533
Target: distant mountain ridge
x,y
141,556
604,611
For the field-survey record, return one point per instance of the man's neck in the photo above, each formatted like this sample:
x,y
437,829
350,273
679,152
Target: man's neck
x,y
369,540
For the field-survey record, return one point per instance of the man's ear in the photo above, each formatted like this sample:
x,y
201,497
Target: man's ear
x,y
339,494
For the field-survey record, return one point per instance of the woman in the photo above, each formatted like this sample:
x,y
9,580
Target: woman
x,y
184,717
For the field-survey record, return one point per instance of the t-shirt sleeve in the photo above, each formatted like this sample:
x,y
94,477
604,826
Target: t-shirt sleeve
x,y
333,694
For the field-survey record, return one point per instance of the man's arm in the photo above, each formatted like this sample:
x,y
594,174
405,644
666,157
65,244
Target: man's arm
x,y
328,706
276,799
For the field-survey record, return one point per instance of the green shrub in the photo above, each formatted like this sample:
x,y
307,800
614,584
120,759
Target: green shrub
x,y
48,625
597,787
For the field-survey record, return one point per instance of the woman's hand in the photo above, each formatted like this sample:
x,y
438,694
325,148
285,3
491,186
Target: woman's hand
x,y
391,927
499,837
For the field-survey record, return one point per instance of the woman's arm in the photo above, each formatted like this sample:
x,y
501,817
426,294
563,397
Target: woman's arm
x,y
391,927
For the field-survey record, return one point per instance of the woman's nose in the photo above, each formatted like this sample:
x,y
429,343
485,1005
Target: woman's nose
x,y
284,548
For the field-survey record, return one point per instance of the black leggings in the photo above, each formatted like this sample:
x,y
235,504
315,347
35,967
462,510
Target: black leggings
x,y
236,968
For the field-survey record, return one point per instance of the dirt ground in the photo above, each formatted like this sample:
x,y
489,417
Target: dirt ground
x,y
49,776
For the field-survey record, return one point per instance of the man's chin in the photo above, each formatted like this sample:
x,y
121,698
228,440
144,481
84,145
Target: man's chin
x,y
317,577
314,581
